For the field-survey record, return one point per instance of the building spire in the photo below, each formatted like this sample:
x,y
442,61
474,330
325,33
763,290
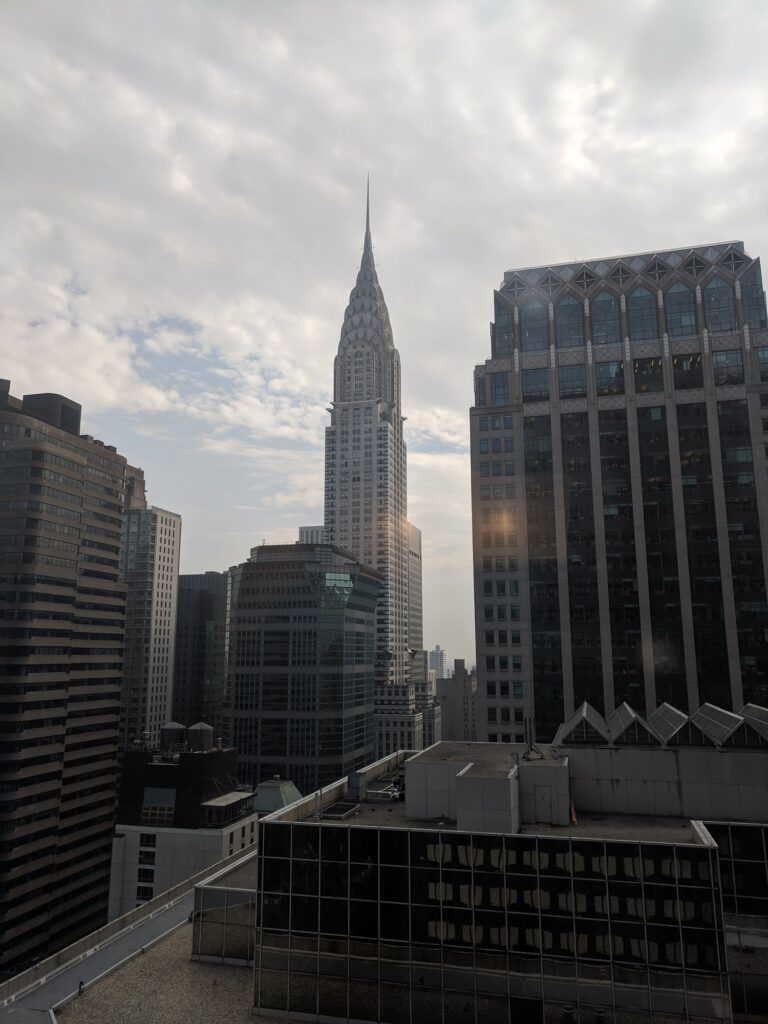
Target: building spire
x,y
367,245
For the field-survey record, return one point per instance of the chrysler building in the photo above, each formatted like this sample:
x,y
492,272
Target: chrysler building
x,y
366,505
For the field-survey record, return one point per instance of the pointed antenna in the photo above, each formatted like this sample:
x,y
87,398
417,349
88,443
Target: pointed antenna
x,y
367,245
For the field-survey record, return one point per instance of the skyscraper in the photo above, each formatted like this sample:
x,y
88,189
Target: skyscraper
x,y
150,571
366,487
619,488
62,620
300,663
199,658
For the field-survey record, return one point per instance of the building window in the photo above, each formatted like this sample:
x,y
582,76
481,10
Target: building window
x,y
534,326
491,714
499,389
509,467
483,446
762,359
484,470
536,385
146,875
609,378
490,689
509,444
572,381
480,391
687,372
485,492
604,314
680,311
144,893
649,375
146,856
517,690
641,311
147,839
753,300
482,423
503,329
719,309
728,367
569,323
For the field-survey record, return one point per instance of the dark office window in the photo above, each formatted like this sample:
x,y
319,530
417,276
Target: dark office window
x,y
499,389
534,326
719,307
482,423
680,311
753,299
569,322
649,375
621,562
480,391
604,314
609,378
641,312
661,557
703,554
572,381
503,328
687,371
762,360
543,576
728,367
535,385
581,560
745,545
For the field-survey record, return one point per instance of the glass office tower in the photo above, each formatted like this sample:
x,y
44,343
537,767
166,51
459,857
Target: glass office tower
x,y
619,489
300,654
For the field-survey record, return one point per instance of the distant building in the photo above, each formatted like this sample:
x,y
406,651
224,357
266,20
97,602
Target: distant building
x,y
200,669
149,569
366,489
62,625
311,534
457,698
620,487
424,688
438,662
300,663
180,810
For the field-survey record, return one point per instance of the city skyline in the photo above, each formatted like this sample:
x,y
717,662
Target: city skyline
x,y
182,224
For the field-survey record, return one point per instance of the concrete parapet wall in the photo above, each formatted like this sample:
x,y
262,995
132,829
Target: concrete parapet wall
x,y
686,782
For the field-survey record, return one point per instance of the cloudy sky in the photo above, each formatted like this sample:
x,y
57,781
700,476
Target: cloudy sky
x,y
182,192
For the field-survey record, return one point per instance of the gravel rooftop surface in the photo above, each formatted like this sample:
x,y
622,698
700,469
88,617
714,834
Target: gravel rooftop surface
x,y
163,986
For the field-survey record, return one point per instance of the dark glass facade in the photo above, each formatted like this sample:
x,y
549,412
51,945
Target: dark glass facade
x,y
300,664
661,558
546,654
582,561
621,559
747,569
404,925
703,555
